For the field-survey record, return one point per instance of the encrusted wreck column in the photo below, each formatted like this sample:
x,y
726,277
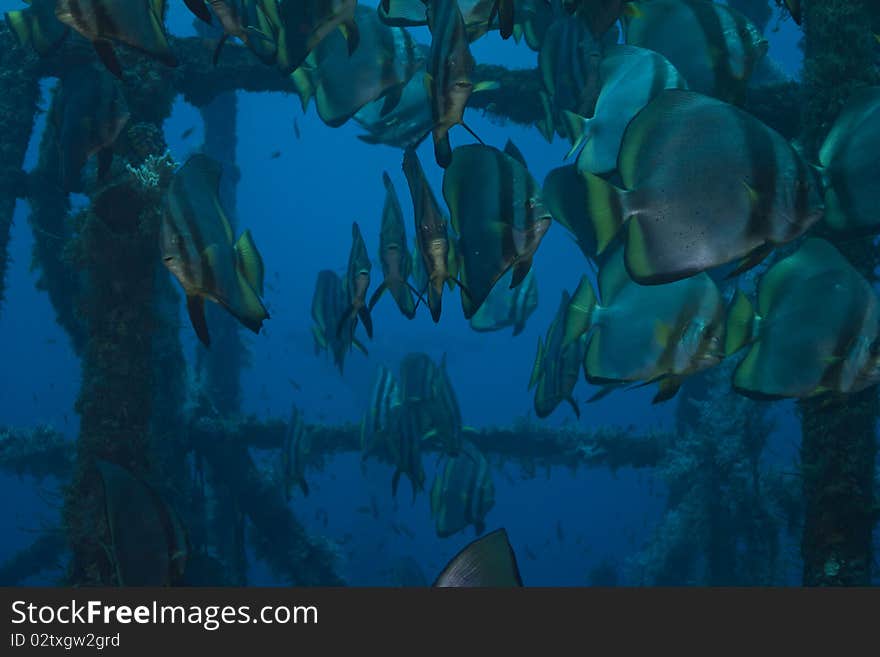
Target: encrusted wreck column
x,y
19,93
839,439
219,367
53,233
117,248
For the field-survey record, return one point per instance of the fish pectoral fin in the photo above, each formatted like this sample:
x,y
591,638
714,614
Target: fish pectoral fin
x,y
199,10
574,406
375,298
395,480
392,100
360,346
464,289
520,271
472,133
195,306
352,36
219,49
603,392
107,55
419,298
304,486
366,320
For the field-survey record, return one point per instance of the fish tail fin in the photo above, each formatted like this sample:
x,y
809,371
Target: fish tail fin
x,y
195,306
579,315
247,306
578,130
442,150
740,323
376,295
606,207
249,261
366,320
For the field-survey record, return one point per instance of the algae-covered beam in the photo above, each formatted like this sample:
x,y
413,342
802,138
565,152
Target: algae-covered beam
x,y
527,444
38,453
19,94
277,536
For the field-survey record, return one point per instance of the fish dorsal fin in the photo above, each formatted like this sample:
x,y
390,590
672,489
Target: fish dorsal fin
x,y
250,262
740,323
488,561
538,367
814,255
862,106
613,277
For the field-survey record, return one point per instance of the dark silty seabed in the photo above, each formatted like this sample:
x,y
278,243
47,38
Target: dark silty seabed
x,y
439,292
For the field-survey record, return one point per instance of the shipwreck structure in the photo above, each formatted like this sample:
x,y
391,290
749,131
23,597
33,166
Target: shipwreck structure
x,y
101,271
